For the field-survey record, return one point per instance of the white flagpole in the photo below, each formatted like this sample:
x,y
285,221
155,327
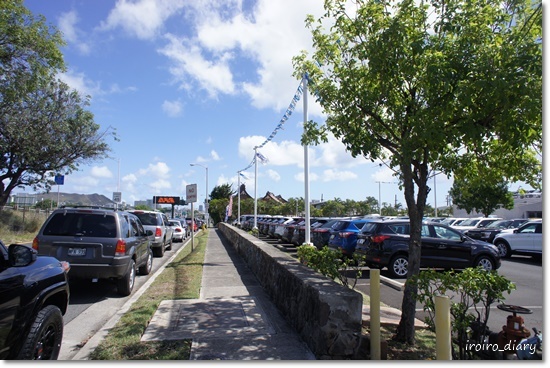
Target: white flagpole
x,y
239,199
306,167
255,188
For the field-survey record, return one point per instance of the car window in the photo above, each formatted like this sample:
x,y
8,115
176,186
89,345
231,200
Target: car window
x,y
425,232
124,227
147,218
65,224
446,233
402,229
531,228
470,222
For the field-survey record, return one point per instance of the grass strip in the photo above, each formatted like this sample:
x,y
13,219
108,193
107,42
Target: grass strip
x,y
181,279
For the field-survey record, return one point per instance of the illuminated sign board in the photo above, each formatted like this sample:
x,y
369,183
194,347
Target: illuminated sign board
x,y
166,200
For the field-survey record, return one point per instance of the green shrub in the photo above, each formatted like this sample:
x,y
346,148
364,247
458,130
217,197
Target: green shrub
x,y
473,289
332,263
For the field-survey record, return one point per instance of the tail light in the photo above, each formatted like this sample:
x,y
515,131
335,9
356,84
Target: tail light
x,y
178,230
66,266
120,248
379,238
158,231
345,234
35,243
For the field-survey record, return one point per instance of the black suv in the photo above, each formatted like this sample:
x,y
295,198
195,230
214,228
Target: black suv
x,y
99,243
386,244
34,295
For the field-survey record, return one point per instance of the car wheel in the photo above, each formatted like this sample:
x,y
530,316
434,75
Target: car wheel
x,y
169,247
159,251
399,266
44,339
146,268
485,262
125,284
504,250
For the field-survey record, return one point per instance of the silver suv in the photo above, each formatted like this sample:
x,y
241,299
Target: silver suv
x,y
98,243
160,226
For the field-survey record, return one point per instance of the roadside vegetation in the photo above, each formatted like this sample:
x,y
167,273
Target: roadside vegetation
x,y
20,226
181,279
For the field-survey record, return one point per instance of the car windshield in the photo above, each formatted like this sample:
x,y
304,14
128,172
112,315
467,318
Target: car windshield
x,y
470,222
503,224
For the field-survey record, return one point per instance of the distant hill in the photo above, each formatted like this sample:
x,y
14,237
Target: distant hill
x,y
77,199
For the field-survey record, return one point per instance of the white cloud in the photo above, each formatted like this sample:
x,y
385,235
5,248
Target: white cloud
x,y
158,170
336,175
273,175
143,19
101,172
211,72
214,155
172,108
67,25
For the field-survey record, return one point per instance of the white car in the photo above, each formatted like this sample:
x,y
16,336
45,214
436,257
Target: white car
x,y
526,240
180,233
474,223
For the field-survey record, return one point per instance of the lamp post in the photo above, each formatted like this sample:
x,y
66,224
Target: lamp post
x,y
206,215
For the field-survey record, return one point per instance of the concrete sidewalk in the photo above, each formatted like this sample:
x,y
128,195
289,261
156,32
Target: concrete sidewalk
x,y
234,318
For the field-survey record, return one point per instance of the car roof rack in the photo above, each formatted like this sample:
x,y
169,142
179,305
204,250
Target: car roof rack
x,y
90,206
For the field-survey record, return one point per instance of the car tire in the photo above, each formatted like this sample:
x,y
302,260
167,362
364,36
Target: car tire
x,y
146,268
169,246
486,262
399,266
125,284
159,251
44,339
504,250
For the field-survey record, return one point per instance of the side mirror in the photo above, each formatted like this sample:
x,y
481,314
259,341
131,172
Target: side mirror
x,y
20,255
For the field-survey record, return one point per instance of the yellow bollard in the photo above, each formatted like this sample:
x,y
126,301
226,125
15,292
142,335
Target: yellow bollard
x,y
443,327
375,314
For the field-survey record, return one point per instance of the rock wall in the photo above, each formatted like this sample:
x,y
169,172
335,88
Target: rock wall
x,y
326,314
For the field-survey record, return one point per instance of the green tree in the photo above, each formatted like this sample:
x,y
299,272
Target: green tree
x,y
223,191
334,208
46,204
481,195
44,126
429,86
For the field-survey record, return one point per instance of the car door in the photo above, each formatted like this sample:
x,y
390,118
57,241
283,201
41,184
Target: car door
x,y
136,239
524,239
444,247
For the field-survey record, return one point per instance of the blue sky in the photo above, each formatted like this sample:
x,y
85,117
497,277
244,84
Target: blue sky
x,y
203,82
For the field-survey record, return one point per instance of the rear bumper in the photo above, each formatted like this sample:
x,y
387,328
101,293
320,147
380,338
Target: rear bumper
x,y
116,269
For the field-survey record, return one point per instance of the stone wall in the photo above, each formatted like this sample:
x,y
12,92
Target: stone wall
x,y
326,314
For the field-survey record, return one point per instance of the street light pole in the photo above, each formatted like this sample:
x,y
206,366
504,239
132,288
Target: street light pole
x,y
206,215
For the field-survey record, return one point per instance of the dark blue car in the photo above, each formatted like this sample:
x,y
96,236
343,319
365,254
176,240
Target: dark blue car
x,y
343,235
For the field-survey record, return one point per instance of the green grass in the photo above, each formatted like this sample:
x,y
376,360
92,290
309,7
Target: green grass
x,y
17,226
181,279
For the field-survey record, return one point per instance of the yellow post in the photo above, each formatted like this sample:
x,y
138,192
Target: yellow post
x,y
443,327
375,314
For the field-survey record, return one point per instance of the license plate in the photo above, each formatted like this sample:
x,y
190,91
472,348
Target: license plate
x,y
77,252
331,237
360,241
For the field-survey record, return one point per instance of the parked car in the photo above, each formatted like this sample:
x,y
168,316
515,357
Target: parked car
x,y
475,223
299,236
99,243
386,244
489,232
280,229
159,225
289,229
34,295
273,226
320,235
453,221
179,232
343,235
526,239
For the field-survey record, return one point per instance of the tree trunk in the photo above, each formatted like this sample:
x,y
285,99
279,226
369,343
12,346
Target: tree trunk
x,y
405,330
